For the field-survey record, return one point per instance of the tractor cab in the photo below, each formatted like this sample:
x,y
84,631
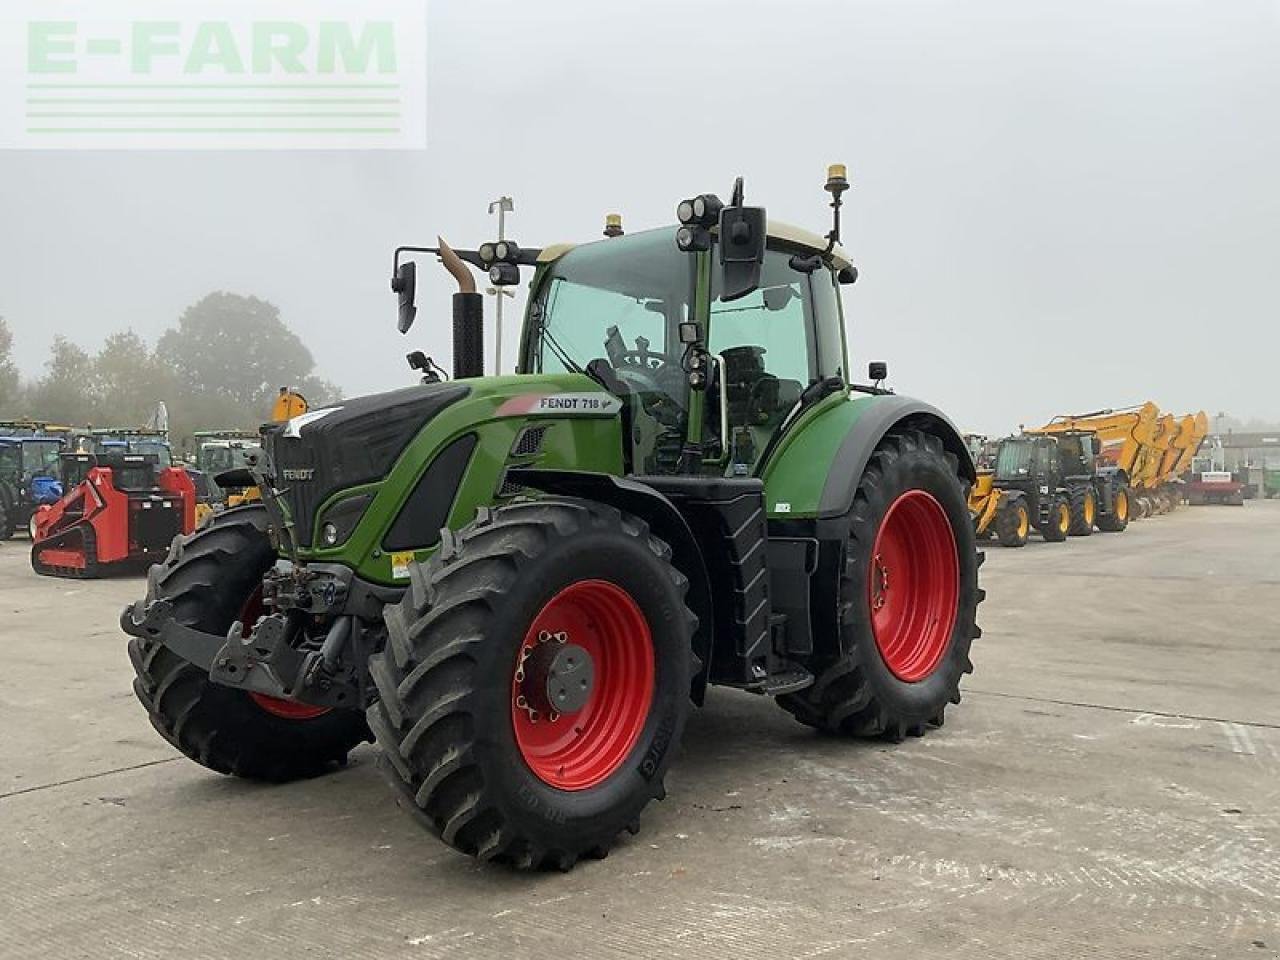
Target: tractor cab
x,y
29,477
1028,462
221,451
220,455
695,369
1078,453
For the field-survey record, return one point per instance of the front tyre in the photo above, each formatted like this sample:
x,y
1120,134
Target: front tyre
x,y
908,598
535,681
1118,518
1013,522
1084,509
1056,528
211,578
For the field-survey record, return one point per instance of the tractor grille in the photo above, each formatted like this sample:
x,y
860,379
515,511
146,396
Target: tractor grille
x,y
529,442
357,442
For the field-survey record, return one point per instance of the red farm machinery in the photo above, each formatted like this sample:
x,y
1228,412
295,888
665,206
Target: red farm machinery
x,y
119,513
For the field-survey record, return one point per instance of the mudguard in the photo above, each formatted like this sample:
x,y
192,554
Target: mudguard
x,y
815,473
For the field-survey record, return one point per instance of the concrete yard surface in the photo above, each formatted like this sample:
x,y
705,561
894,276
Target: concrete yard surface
x,y
1110,787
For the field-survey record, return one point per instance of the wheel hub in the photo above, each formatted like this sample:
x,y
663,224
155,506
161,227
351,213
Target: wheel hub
x,y
583,685
879,582
555,678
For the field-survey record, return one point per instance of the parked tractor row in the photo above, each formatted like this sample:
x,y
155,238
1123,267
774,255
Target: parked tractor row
x,y
111,500
519,586
1085,472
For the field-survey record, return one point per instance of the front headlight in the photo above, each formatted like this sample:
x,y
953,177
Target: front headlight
x,y
340,520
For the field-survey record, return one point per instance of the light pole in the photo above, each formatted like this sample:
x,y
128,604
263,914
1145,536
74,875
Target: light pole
x,y
502,206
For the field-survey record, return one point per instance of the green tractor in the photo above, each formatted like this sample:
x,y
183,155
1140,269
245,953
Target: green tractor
x,y
519,585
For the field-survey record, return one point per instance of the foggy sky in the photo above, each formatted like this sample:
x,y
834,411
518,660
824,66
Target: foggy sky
x,y
1056,206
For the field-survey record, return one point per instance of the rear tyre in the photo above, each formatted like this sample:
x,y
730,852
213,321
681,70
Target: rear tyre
x,y
1013,522
1056,528
477,737
210,577
1084,510
907,602
1118,518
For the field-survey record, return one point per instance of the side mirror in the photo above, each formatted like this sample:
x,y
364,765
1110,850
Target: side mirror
x,y
877,370
405,283
743,235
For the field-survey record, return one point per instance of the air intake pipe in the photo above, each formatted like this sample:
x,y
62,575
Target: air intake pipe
x,y
468,317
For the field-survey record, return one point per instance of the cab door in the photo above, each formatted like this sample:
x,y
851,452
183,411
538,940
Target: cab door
x,y
770,346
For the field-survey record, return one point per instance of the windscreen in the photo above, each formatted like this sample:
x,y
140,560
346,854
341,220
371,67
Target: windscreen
x,y
40,457
1013,462
621,302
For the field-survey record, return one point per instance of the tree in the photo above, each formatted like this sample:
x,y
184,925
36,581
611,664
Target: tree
x,y
234,348
65,393
8,369
128,381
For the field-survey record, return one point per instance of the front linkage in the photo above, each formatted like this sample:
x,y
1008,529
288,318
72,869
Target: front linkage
x,y
272,656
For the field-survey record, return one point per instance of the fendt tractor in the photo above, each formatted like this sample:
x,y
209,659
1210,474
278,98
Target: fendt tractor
x,y
518,585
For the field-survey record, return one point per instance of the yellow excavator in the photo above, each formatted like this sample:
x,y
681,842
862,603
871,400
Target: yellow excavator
x,y
1149,450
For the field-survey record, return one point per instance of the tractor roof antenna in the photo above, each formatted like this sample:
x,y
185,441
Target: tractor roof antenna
x,y
837,184
503,206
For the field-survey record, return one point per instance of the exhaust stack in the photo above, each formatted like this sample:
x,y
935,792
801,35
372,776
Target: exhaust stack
x,y
468,317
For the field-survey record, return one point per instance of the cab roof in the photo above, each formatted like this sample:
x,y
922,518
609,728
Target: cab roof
x,y
785,232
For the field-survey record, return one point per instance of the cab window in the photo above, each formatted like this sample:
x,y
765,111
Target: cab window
x,y
774,342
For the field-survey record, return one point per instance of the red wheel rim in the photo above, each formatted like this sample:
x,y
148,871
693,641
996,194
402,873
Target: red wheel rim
x,y
914,585
250,613
577,751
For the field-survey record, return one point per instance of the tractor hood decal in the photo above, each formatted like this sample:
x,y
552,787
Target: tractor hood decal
x,y
294,427
561,405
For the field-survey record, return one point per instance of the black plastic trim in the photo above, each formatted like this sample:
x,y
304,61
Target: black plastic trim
x,y
417,526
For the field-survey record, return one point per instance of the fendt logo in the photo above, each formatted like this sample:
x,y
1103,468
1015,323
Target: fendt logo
x,y
299,474
231,74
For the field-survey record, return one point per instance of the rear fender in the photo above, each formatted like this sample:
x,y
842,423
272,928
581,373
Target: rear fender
x,y
664,520
884,415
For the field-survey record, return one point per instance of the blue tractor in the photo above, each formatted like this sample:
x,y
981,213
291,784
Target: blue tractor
x,y
29,477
